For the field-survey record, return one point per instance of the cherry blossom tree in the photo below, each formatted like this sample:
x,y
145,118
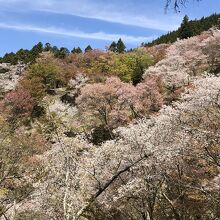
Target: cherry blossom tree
x,y
115,103
184,60
212,50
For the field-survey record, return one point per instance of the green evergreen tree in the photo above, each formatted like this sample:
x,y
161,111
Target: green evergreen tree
x,y
55,50
137,73
113,47
120,46
76,50
73,50
197,26
47,47
24,56
35,51
88,48
61,53
185,30
10,58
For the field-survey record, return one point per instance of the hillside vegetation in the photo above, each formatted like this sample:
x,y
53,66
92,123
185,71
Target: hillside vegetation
x,y
113,135
188,28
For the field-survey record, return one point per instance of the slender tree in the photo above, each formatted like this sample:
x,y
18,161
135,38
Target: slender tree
x,y
185,30
120,46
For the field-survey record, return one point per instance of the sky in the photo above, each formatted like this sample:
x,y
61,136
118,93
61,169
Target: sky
x,y
73,23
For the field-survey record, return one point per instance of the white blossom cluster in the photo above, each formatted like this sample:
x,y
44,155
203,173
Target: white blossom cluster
x,y
184,60
79,170
9,79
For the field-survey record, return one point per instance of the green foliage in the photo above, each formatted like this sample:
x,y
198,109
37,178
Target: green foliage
x,y
30,56
130,67
113,47
47,47
36,50
101,134
9,58
187,29
54,50
76,50
38,111
88,48
123,66
24,56
143,61
47,72
120,46
61,53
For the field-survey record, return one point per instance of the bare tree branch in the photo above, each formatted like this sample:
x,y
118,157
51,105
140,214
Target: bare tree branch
x,y
177,4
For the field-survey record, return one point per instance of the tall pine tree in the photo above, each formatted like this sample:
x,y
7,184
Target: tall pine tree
x,y
186,29
120,46
76,50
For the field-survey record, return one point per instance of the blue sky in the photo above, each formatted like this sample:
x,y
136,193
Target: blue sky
x,y
72,23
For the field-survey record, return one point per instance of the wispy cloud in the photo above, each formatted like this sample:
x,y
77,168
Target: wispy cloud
x,y
77,33
120,18
101,10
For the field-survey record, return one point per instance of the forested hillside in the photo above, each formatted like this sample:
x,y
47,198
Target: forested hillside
x,y
188,28
112,135
26,56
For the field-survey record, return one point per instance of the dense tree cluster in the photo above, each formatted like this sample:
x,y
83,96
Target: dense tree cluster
x,y
104,136
76,50
165,167
188,29
114,103
117,47
30,56
20,167
97,64
25,56
186,59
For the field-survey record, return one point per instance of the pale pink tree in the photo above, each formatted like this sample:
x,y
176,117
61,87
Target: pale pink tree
x,y
100,101
116,103
184,60
20,101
